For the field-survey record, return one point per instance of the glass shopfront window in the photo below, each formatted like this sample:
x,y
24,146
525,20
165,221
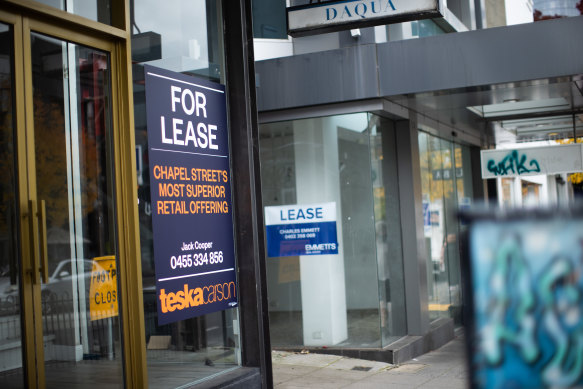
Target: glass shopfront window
x,y
269,19
185,37
11,374
388,230
74,177
98,10
553,9
348,298
446,186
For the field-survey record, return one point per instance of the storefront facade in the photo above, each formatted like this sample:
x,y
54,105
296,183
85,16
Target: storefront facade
x,y
390,135
78,298
391,185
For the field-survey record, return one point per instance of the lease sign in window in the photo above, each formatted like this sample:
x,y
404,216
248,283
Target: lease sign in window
x,y
191,195
304,229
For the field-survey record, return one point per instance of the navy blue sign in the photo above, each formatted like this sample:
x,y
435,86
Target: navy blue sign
x,y
301,230
191,195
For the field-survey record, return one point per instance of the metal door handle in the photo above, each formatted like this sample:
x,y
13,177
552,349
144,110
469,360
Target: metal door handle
x,y
44,255
33,230
38,212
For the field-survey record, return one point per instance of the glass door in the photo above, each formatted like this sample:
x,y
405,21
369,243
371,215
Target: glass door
x,y
73,178
59,319
11,372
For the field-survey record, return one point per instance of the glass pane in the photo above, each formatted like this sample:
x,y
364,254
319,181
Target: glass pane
x,y
98,10
10,336
187,39
358,230
74,177
451,251
506,192
463,175
316,161
552,9
388,229
432,182
412,30
269,19
446,186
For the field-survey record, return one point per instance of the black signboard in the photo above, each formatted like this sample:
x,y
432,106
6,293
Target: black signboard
x,y
191,195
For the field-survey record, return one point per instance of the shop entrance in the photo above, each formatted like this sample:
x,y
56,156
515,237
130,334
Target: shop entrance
x,y
59,320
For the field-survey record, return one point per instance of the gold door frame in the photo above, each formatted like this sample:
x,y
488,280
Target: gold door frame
x,y
26,16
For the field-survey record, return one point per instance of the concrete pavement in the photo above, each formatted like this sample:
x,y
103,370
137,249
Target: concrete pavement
x,y
442,368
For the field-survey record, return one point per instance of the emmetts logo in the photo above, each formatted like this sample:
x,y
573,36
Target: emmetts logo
x,y
318,248
188,297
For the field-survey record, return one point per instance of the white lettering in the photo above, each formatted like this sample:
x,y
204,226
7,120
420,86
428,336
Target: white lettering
x,y
189,102
212,137
320,247
202,135
173,91
200,103
188,110
163,128
177,131
190,135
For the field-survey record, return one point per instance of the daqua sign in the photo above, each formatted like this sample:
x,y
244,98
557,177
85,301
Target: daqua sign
x,y
308,17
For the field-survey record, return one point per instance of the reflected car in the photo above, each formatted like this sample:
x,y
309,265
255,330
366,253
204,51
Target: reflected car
x,y
57,294
9,296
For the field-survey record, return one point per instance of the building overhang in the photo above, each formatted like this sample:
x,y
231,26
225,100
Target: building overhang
x,y
440,76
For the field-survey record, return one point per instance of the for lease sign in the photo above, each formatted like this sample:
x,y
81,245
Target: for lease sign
x,y
191,195
307,229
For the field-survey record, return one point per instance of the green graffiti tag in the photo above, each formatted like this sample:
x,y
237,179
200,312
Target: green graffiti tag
x,y
514,163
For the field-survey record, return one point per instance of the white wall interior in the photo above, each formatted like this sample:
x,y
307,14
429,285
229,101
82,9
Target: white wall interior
x,y
322,276
518,11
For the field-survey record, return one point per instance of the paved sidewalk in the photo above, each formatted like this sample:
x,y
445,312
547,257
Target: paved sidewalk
x,y
442,368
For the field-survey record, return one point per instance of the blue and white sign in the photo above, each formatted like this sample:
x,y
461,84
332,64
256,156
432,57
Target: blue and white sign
x,y
426,218
308,229
312,17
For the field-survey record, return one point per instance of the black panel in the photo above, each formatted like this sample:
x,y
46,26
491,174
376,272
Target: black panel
x,y
248,213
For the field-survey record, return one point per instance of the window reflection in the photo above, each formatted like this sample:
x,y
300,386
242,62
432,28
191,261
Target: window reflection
x,y
10,334
185,37
97,10
388,229
74,182
269,19
446,187
342,159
